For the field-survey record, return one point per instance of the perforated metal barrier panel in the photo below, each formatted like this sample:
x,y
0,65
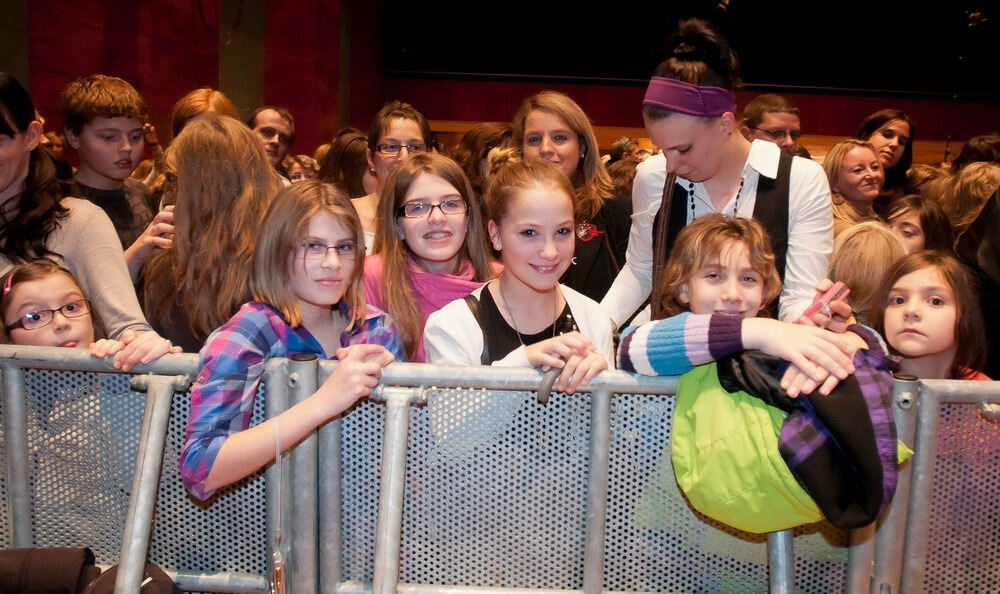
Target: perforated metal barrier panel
x,y
496,496
496,488
964,523
82,434
5,536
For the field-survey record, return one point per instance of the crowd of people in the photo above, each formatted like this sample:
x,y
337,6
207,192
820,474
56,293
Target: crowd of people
x,y
521,246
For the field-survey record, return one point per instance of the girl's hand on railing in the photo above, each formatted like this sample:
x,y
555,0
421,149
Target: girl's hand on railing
x,y
356,374
555,351
578,371
133,349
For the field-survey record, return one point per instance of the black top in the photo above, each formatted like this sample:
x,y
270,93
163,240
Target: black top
x,y
500,339
600,248
127,206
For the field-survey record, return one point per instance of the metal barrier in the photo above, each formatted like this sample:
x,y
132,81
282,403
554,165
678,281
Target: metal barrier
x,y
428,482
941,532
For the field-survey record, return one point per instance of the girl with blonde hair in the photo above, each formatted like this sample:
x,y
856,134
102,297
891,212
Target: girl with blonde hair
x,y
551,127
221,182
862,255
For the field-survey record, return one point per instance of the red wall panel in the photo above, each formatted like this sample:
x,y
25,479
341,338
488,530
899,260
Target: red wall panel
x,y
164,49
302,66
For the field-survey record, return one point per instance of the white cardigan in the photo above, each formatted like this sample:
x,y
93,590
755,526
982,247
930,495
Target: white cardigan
x,y
452,335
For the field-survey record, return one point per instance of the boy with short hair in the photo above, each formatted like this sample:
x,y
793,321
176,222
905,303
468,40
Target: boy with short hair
x,y
104,118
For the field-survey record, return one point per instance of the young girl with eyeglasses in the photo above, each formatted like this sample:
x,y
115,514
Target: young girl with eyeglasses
x,y
525,317
398,132
43,305
308,299
430,246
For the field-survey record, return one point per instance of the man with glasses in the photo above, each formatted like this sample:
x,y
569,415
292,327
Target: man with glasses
x,y
774,119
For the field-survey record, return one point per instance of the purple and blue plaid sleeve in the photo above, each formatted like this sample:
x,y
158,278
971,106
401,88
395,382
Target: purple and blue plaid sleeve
x,y
222,397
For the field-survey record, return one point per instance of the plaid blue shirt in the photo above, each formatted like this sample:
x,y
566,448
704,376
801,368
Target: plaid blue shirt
x,y
232,364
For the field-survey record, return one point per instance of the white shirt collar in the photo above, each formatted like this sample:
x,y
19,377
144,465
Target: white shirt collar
x,y
764,157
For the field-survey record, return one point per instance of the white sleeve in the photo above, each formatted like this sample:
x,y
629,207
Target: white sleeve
x,y
593,323
634,281
810,237
452,336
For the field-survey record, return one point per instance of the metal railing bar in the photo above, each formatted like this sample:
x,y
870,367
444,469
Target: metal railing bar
x,y
35,357
392,487
15,421
190,581
888,562
331,537
597,491
146,479
780,562
921,490
276,390
303,574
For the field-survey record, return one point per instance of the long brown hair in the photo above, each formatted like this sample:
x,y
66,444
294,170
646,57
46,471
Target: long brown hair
x,y
285,225
591,182
971,344
222,182
397,291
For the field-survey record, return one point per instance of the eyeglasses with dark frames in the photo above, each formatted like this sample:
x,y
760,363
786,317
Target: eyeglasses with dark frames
x,y
43,317
419,210
393,148
780,133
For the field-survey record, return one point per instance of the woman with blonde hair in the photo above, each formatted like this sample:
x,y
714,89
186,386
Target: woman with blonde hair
x,y
551,127
221,182
862,255
430,247
856,177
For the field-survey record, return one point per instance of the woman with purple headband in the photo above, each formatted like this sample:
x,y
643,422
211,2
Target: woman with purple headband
x,y
689,112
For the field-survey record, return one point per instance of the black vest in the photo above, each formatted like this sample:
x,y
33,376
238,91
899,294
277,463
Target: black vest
x,y
770,210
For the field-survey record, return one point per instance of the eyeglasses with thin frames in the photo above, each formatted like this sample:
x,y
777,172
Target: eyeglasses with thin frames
x,y
317,250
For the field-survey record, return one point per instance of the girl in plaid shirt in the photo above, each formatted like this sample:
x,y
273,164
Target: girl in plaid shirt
x,y
308,298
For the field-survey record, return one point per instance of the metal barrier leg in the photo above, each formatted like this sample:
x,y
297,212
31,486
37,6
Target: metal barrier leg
x,y
331,541
15,429
860,558
392,486
597,491
146,478
890,533
921,487
303,574
781,562
275,489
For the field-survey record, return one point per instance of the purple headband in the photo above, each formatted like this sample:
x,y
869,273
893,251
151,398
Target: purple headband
x,y
682,97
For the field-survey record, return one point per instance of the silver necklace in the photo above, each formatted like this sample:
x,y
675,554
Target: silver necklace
x,y
510,312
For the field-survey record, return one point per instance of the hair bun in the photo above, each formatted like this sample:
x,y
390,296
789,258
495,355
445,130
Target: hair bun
x,y
698,51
